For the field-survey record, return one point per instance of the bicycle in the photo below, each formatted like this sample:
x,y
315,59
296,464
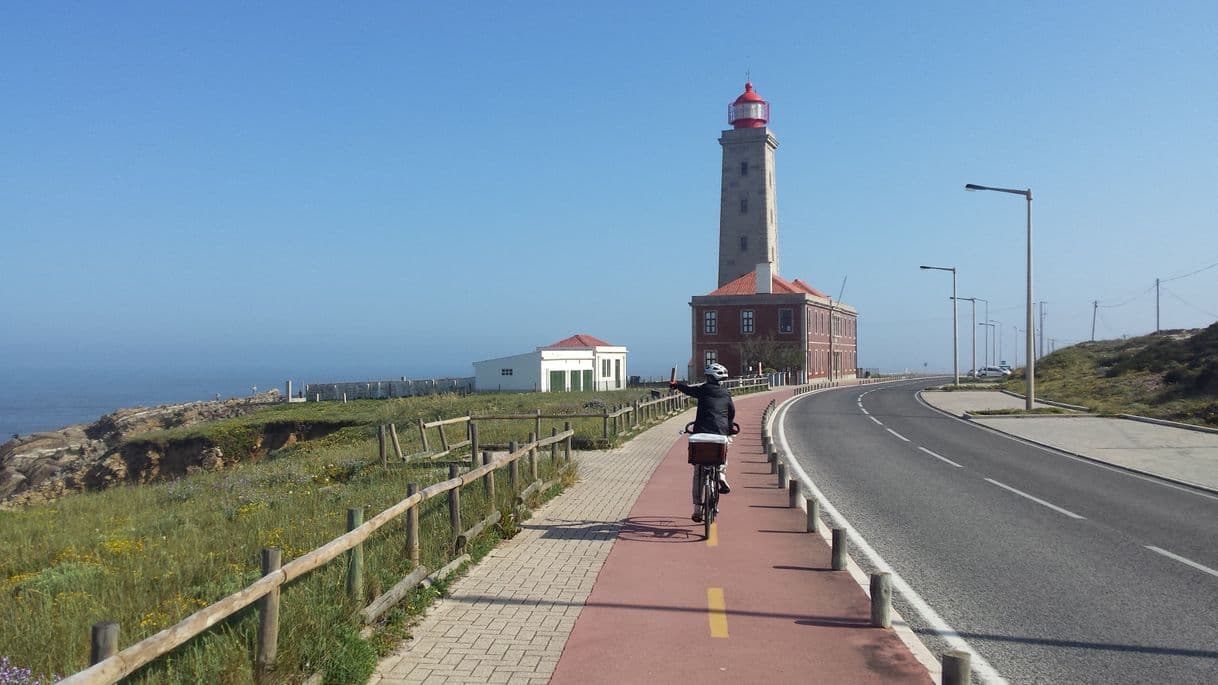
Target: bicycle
x,y
708,451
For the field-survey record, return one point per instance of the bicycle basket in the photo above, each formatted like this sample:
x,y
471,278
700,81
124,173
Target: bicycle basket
x,y
707,449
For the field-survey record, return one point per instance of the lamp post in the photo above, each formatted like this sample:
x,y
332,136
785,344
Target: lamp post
x,y
989,345
1030,371
973,300
955,325
998,342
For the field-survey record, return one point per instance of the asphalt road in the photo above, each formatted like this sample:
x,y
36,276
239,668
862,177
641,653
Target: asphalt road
x,y
1042,562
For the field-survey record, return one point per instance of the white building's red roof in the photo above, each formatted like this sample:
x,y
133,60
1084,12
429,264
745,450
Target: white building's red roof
x,y
581,340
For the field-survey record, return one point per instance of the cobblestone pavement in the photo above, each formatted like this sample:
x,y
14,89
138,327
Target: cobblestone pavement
x,y
508,619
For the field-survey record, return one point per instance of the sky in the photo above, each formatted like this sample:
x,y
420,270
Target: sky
x,y
400,189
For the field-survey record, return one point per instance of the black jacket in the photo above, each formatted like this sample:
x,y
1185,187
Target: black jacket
x,y
716,412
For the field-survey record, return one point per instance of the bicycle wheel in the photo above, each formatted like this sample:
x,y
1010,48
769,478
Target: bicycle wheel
x,y
709,498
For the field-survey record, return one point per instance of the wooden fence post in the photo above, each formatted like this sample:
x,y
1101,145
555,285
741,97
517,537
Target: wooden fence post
x,y
380,446
268,620
533,458
443,438
103,641
454,503
881,600
473,444
412,527
397,446
355,558
423,436
513,469
488,481
554,449
605,425
537,424
566,427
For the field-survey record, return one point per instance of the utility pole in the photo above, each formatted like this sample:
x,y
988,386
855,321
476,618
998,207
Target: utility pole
x,y
1095,307
1016,330
1156,306
1042,329
973,301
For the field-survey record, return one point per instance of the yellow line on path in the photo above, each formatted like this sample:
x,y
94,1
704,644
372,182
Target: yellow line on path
x,y
712,540
717,610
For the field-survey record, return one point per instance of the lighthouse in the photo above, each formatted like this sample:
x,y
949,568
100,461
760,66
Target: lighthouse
x,y
748,214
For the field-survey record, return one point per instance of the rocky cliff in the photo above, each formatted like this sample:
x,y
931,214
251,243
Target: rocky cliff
x,y
45,466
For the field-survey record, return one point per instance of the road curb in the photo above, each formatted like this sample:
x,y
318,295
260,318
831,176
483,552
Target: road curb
x,y
1096,460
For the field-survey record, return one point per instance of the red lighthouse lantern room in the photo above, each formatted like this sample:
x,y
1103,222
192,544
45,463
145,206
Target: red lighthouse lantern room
x,y
749,110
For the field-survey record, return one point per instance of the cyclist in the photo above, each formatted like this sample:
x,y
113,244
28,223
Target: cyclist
x,y
716,412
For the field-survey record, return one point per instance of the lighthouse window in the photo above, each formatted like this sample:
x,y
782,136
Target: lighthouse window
x,y
744,205
786,321
744,243
710,322
744,168
746,321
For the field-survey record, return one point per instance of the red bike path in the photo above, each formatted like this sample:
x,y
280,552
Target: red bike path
x,y
757,602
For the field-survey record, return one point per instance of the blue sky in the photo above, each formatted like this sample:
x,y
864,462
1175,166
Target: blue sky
x,y
404,188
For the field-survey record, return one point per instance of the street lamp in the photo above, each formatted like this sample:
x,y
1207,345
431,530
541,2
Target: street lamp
x,y
998,343
973,300
1030,371
988,344
955,331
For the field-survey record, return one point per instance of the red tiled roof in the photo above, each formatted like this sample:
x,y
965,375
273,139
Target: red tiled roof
x,y
581,340
747,285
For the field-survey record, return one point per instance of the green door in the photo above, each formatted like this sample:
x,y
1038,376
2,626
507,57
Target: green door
x,y
558,381
575,381
617,374
588,379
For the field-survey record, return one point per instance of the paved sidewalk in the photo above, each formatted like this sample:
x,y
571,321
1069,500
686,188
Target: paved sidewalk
x,y
1178,454
508,619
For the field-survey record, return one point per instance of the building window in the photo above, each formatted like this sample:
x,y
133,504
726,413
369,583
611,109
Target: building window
x,y
744,243
744,205
746,321
710,322
786,321
604,368
505,372
744,168
710,358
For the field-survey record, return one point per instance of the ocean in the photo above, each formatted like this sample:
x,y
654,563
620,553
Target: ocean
x,y
45,400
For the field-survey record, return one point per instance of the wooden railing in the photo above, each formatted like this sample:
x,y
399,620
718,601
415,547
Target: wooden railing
x,y
111,666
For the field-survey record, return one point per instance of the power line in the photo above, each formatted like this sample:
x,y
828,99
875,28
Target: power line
x,y
1122,304
1190,304
1191,273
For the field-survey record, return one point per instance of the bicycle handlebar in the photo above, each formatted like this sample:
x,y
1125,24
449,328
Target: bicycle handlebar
x,y
734,431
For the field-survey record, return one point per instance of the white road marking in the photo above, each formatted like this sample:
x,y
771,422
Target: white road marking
x,y
877,421
897,434
1039,501
1182,560
941,458
980,666
864,410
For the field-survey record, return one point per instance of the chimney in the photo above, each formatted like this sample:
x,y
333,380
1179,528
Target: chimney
x,y
765,278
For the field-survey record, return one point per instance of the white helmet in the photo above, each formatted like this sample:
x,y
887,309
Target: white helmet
x,y
716,371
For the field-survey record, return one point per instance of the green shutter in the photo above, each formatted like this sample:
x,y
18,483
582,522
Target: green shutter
x,y
588,379
558,381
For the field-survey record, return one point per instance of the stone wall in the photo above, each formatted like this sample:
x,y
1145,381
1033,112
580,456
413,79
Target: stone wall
x,y
379,390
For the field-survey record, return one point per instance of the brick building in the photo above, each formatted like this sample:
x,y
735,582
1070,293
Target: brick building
x,y
755,316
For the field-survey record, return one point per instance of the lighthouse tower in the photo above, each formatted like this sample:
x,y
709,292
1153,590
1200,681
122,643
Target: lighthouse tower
x,y
748,215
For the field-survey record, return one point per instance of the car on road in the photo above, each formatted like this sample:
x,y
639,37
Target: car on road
x,y
993,372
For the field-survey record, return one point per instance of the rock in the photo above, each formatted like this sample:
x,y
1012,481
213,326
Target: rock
x,y
11,482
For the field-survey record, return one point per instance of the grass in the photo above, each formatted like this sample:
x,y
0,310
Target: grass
x,y
149,555
1172,375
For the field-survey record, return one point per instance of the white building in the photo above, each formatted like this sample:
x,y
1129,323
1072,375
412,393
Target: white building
x,y
578,363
